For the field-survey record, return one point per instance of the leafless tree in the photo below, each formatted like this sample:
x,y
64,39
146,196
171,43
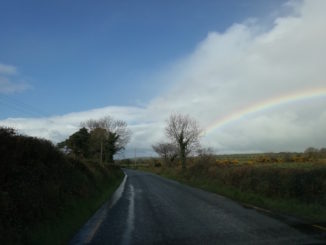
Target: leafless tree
x,y
311,150
167,151
205,151
185,133
322,150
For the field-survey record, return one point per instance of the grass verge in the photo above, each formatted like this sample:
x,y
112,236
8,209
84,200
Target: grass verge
x,y
312,212
60,229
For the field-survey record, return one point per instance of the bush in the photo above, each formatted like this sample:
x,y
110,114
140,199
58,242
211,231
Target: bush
x,y
37,182
305,184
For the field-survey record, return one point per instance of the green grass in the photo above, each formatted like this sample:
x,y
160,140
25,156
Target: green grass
x,y
297,165
311,212
60,229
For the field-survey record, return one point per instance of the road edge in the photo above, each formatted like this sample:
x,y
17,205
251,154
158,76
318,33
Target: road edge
x,y
88,230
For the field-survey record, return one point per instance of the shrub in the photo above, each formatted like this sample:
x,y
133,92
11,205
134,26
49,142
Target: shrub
x,y
37,182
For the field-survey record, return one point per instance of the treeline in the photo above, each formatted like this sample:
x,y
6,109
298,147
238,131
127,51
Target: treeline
x,y
45,195
98,140
169,156
313,152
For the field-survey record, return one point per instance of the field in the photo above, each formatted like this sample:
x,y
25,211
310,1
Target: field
x,y
286,183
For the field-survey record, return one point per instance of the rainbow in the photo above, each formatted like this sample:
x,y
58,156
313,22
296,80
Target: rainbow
x,y
265,105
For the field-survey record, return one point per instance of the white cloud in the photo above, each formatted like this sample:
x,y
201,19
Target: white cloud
x,y
57,128
228,71
8,80
7,69
7,86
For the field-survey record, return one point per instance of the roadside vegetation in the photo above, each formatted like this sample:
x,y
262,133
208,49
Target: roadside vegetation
x,y
98,139
47,193
289,183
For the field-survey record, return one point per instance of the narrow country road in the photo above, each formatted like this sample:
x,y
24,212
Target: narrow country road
x,y
149,209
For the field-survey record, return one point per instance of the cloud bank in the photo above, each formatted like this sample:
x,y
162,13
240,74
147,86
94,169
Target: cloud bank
x,y
241,67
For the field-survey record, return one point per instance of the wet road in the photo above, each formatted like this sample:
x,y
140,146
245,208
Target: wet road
x,y
149,209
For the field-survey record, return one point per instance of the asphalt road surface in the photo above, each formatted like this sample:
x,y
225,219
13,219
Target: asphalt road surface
x,y
149,209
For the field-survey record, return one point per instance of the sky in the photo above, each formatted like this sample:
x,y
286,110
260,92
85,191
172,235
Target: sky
x,y
250,72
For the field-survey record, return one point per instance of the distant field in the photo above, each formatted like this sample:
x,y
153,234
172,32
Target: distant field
x,y
289,183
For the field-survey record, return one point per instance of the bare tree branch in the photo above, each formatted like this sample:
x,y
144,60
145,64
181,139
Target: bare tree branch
x,y
167,151
185,133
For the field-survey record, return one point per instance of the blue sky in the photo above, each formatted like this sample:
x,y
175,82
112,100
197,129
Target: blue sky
x,y
80,55
64,62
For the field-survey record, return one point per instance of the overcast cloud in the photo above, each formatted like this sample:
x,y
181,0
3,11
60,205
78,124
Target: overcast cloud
x,y
245,65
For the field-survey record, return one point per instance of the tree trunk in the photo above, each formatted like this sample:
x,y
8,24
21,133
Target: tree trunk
x,y
101,157
110,156
183,156
183,160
